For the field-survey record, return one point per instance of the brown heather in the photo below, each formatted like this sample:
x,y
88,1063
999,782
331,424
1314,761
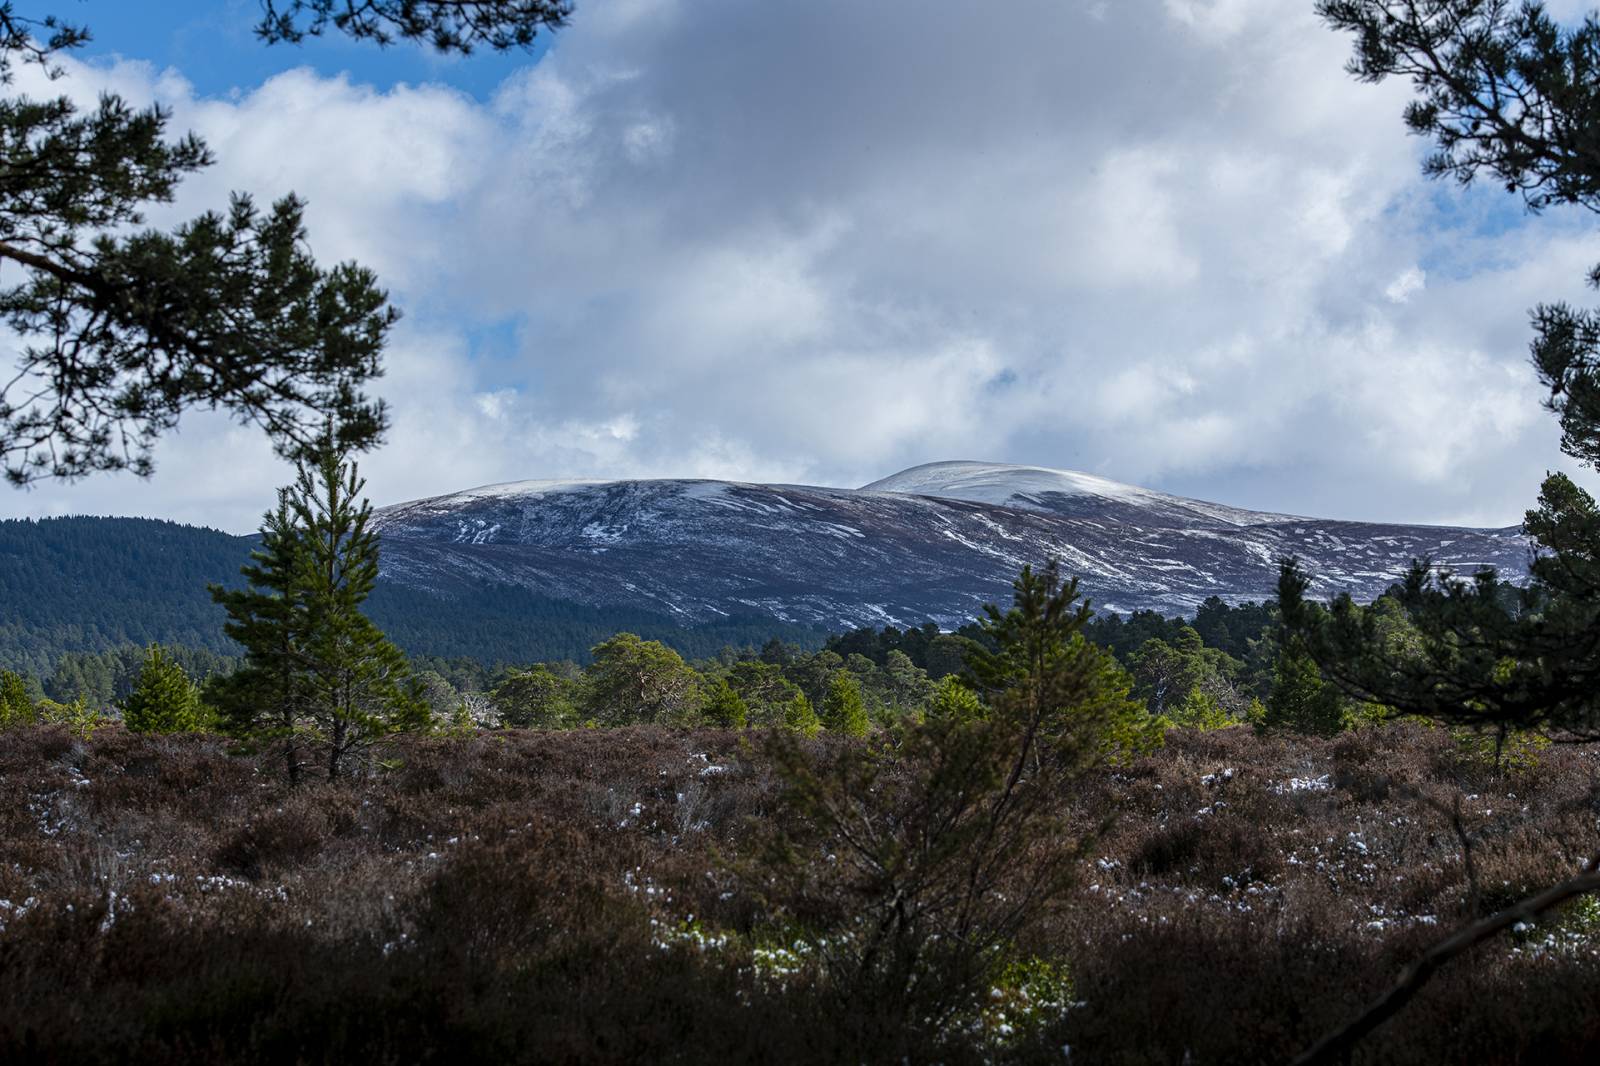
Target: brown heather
x,y
567,897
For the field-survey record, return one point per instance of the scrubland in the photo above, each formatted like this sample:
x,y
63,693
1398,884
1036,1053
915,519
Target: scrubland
x,y
596,896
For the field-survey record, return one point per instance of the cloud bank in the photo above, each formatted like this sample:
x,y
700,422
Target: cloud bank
x,y
1168,243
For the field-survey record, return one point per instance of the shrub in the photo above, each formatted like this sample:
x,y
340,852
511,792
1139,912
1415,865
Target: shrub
x,y
16,708
843,710
1200,710
799,717
953,701
163,700
79,718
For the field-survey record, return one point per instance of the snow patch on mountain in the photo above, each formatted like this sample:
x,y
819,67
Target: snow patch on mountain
x,y
1044,489
931,543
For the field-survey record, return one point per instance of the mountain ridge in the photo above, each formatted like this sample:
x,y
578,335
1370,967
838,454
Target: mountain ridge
x,y
933,542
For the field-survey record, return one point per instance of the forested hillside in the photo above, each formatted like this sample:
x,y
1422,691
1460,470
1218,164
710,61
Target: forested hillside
x,y
93,585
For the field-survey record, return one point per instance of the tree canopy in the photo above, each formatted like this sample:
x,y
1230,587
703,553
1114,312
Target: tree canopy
x,y
450,26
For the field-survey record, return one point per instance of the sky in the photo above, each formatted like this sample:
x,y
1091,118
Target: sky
x,y
1168,242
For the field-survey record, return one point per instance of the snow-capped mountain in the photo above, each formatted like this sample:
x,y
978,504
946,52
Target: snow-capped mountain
x,y
933,542
1063,492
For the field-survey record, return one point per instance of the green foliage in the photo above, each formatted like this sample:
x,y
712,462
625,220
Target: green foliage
x,y
536,698
1301,700
460,722
1480,654
764,689
635,681
1506,92
1168,675
938,654
953,701
443,702
16,707
843,710
1501,751
944,834
507,624
1200,710
163,700
905,687
811,674
95,585
1227,629
723,706
800,717
128,328
318,674
80,718
449,26
1066,694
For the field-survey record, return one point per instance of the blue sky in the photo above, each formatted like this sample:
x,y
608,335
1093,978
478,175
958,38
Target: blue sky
x,y
213,43
1168,242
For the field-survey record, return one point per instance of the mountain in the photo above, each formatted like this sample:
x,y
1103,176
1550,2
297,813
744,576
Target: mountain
x,y
546,569
934,542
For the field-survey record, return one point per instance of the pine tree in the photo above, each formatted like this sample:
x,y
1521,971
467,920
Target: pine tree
x,y
633,681
800,717
843,710
1069,699
1507,93
535,697
267,700
15,706
724,707
1201,710
164,700
953,701
906,685
449,26
125,329
318,673
358,679
1300,700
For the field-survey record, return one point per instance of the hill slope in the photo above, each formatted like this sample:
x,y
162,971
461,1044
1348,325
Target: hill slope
x,y
934,542
97,584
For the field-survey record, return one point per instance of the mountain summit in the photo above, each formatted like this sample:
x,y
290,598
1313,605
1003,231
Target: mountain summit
x,y
934,542
1065,492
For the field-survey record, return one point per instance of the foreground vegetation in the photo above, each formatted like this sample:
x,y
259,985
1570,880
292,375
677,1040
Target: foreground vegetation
x,y
585,896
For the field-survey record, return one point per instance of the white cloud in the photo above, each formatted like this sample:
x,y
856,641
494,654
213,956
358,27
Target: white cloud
x,y
1411,281
823,241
